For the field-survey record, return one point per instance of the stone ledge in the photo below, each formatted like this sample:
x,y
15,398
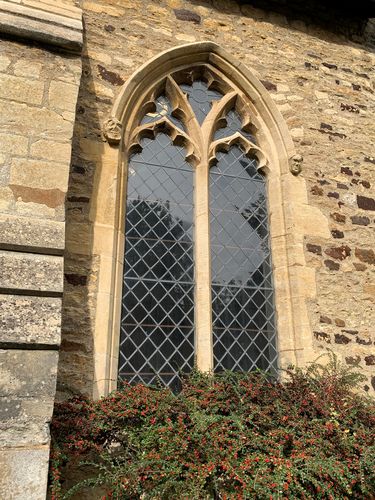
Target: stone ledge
x,y
51,23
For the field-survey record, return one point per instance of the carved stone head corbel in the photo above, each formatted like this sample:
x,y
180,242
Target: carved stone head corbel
x,y
112,129
295,164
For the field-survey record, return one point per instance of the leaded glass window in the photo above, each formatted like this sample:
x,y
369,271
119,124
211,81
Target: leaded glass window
x,y
197,285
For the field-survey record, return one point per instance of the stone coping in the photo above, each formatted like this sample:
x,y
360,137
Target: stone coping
x,y
52,22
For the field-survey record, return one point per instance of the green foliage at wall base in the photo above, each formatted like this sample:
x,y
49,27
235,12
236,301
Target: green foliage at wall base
x,y
230,436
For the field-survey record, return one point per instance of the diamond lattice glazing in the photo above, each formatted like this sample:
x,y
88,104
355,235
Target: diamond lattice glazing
x,y
157,325
242,310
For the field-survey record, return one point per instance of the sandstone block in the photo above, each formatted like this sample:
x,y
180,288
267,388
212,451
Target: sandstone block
x,y
17,88
25,232
24,473
4,62
31,69
19,118
13,144
39,174
63,95
30,320
51,150
23,271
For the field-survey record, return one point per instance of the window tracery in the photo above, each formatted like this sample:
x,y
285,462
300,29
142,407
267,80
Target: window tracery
x,y
197,275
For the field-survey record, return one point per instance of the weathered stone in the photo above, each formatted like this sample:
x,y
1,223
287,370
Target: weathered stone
x,y
269,85
353,360
29,320
325,319
338,253
346,171
337,234
363,341
370,360
349,107
187,15
359,267
317,191
23,233
26,374
24,473
366,203
17,88
338,217
365,255
360,220
39,175
323,336
31,69
51,150
317,249
13,144
19,118
4,62
62,95
331,265
25,271
110,76
339,322
27,391
341,339
329,65
333,194
350,332
76,279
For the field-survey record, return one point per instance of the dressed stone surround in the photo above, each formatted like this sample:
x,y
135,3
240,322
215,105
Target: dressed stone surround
x,y
38,94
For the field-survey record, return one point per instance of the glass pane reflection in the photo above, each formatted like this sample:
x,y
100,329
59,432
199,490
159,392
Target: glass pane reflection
x,y
157,325
243,311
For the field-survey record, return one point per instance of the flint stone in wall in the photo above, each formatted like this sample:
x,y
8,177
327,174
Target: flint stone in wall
x,y
24,271
24,473
30,320
24,233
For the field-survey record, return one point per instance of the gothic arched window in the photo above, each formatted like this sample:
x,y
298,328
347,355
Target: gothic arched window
x,y
197,282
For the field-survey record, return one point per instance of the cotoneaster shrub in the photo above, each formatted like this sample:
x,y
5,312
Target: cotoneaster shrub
x,y
231,436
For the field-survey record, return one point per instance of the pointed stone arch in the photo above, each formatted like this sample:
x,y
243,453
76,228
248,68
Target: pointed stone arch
x,y
290,216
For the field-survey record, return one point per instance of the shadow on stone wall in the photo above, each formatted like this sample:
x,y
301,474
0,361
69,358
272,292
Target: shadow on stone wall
x,y
76,363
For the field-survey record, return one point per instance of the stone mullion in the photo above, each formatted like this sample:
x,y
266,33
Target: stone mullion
x,y
203,303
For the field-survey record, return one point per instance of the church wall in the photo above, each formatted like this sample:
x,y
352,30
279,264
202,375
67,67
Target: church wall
x,y
321,82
